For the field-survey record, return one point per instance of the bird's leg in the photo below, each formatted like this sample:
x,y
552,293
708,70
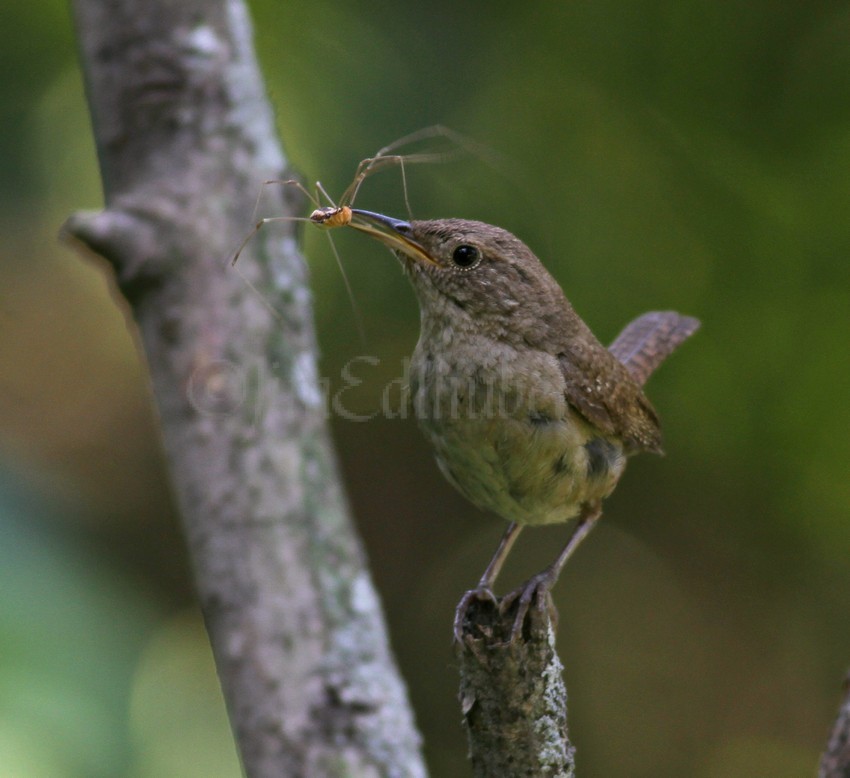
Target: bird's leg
x,y
538,586
484,590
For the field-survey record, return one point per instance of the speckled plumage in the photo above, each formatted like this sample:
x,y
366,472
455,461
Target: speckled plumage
x,y
509,384
530,416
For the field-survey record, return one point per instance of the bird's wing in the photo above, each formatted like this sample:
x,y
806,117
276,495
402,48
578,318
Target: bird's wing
x,y
647,341
604,392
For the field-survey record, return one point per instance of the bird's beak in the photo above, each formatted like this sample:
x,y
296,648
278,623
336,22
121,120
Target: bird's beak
x,y
391,232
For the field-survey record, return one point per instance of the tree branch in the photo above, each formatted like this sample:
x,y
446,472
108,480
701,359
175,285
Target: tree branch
x,y
184,136
835,762
513,696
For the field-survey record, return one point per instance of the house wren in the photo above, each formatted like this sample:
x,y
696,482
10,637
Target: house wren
x,y
530,416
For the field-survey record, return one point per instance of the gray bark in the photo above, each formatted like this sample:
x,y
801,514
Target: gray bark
x,y
835,762
513,696
184,137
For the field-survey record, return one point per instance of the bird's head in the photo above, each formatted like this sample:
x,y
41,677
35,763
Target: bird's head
x,y
469,268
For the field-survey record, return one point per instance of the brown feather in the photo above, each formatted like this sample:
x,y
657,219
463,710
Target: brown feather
x,y
605,393
647,341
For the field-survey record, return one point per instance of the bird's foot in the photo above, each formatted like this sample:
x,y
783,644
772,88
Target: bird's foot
x,y
480,593
535,592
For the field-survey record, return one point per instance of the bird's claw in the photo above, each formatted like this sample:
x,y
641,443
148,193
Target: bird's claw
x,y
480,594
536,591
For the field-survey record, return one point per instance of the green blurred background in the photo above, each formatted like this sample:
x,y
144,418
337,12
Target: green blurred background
x,y
691,155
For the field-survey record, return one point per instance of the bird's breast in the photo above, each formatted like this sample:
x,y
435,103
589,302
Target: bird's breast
x,y
504,435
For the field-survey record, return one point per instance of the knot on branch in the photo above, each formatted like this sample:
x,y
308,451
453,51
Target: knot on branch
x,y
131,241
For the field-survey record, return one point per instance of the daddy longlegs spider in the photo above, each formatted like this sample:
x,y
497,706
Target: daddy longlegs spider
x,y
338,214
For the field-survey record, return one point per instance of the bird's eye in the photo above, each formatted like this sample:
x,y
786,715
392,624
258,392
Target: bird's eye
x,y
466,256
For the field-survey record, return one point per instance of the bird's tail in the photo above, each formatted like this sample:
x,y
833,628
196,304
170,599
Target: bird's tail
x,y
647,341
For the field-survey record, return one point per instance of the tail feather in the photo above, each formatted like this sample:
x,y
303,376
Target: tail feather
x,y
647,341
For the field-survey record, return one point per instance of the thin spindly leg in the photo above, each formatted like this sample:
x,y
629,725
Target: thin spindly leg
x,y
540,585
495,567
484,590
